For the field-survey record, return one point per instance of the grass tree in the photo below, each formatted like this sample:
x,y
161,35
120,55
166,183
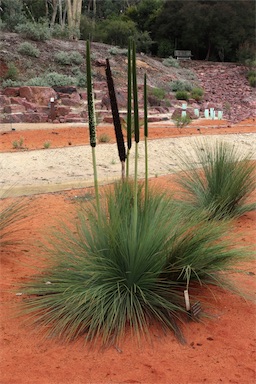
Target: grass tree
x,y
129,107
130,268
92,119
223,184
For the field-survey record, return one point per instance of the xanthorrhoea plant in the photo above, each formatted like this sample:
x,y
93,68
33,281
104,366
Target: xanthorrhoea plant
x,y
129,107
92,120
136,130
116,118
223,184
146,134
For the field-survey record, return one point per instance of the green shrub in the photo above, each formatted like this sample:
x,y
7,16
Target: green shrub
x,y
223,184
34,31
251,76
52,79
104,138
105,276
118,51
181,85
165,48
11,83
12,72
182,95
171,62
69,58
12,216
197,94
182,121
28,50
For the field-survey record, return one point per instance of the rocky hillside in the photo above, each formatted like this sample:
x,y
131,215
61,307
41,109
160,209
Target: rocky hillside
x,y
225,85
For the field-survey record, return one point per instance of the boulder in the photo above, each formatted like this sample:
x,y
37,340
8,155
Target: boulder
x,y
12,92
38,95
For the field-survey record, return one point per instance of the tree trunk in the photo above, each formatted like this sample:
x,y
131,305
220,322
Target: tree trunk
x,y
54,12
209,51
74,10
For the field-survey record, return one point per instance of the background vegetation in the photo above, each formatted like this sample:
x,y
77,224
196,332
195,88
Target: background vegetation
x,y
212,30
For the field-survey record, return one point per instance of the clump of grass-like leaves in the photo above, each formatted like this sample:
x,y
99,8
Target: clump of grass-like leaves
x,y
105,276
12,215
224,182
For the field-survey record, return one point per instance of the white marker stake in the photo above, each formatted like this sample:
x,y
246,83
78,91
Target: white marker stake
x,y
187,302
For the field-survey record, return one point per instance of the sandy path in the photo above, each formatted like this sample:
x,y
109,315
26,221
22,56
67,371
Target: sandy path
x,y
56,169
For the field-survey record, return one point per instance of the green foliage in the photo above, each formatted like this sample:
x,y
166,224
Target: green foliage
x,y
47,144
63,32
104,138
118,51
105,276
12,13
223,184
182,121
11,83
197,94
165,48
251,76
116,31
51,79
12,216
159,93
246,52
171,62
28,50
18,144
182,95
181,85
34,31
12,72
68,58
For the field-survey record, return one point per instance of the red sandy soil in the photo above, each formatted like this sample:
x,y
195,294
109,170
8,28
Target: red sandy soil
x,y
71,136
220,349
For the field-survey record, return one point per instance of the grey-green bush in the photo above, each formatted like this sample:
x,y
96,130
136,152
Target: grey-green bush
x,y
171,62
181,85
51,79
182,95
28,49
34,31
222,186
68,58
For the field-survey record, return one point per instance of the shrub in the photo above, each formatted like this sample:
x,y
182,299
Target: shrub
x,y
12,215
28,50
12,72
105,276
197,94
34,31
104,138
181,95
223,184
68,58
171,62
51,79
118,51
11,83
181,85
182,121
251,76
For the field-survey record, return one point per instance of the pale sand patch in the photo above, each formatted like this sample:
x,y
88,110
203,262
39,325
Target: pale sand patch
x,y
66,168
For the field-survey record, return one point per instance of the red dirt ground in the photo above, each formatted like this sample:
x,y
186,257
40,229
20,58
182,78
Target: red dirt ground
x,y
219,350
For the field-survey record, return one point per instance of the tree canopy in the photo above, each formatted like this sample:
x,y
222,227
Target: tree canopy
x,y
222,30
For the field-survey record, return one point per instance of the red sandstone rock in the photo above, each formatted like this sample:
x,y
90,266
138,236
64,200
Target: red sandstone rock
x,y
39,95
9,92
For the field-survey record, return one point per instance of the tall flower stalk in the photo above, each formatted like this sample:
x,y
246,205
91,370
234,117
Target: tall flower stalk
x,y
116,118
129,107
92,120
146,133
136,133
